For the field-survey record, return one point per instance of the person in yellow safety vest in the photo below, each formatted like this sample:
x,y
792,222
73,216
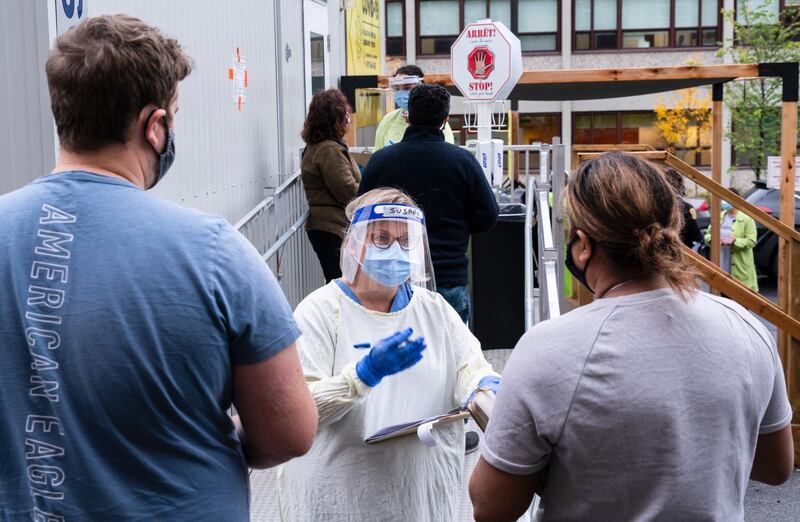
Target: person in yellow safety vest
x,y
567,274
739,232
393,126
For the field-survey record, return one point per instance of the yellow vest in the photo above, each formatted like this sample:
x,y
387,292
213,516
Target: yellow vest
x,y
393,126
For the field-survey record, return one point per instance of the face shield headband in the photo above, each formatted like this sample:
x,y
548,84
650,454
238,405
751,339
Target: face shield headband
x,y
388,243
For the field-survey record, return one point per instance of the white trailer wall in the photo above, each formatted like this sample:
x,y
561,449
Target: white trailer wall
x,y
225,157
27,138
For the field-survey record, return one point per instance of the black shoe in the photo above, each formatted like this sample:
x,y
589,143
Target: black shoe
x,y
473,440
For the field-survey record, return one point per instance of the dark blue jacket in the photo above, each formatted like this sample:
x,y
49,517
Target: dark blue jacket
x,y
448,184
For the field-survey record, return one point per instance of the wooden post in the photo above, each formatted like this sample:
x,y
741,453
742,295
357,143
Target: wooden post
x,y
516,139
716,169
789,256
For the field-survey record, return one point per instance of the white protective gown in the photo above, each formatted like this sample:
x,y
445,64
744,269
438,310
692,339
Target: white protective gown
x,y
343,479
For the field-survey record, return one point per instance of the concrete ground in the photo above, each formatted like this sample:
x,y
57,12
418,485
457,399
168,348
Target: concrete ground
x,y
766,503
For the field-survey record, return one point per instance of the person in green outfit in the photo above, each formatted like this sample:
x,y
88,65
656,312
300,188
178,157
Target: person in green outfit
x,y
393,126
739,233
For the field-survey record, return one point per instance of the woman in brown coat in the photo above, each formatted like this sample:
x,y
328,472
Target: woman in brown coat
x,y
330,176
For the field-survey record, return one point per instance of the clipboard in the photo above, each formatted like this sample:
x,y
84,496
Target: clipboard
x,y
479,408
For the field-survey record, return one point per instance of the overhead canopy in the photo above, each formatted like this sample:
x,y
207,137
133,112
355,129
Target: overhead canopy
x,y
593,84
598,90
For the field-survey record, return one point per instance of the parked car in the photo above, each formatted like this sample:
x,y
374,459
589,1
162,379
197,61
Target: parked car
x,y
766,249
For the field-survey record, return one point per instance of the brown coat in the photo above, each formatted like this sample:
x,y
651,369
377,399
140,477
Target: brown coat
x,y
330,178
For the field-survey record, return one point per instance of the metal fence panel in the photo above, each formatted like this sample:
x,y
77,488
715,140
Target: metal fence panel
x,y
275,228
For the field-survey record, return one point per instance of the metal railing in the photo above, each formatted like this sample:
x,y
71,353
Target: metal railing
x,y
274,227
546,265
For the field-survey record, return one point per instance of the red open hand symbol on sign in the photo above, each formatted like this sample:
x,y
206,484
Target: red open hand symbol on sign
x,y
481,62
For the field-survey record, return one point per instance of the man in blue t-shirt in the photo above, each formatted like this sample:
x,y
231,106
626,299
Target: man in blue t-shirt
x,y
128,325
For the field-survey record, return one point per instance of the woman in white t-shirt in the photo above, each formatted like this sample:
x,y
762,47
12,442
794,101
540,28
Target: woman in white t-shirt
x,y
654,402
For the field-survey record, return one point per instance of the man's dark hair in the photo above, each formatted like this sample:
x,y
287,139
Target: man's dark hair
x,y
103,72
429,105
410,70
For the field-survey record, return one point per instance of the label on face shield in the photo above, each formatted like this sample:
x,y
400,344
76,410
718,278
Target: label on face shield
x,y
383,211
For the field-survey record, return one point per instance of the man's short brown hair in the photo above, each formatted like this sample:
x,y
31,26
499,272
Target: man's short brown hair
x,y
103,72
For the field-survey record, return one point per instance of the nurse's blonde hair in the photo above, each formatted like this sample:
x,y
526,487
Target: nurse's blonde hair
x,y
373,197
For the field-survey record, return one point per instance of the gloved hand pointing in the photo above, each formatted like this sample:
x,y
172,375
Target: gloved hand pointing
x,y
389,356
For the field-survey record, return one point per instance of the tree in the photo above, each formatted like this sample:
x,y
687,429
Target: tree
x,y
683,124
755,105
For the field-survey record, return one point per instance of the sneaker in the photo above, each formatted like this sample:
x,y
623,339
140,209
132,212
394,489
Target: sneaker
x,y
473,440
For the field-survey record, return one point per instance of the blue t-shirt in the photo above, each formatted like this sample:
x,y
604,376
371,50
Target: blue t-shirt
x,y
120,318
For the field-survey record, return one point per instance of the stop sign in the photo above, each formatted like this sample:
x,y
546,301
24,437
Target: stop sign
x,y
480,62
486,61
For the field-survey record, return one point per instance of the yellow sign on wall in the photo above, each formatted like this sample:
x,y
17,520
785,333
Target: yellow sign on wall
x,y
364,38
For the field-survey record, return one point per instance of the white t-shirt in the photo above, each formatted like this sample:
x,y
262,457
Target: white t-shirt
x,y
645,407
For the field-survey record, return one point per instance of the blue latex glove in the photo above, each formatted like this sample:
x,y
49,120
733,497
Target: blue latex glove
x,y
490,381
389,356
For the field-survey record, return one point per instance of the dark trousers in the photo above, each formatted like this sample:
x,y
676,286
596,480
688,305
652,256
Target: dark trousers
x,y
327,247
458,297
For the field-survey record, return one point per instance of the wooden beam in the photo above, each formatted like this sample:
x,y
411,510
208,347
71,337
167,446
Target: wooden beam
x,y
630,147
516,139
734,289
627,147
716,177
652,155
778,227
790,348
684,72
789,263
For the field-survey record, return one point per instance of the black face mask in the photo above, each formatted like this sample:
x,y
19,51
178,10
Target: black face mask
x,y
579,274
165,158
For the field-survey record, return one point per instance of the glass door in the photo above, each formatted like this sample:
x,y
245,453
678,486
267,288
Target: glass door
x,y
317,47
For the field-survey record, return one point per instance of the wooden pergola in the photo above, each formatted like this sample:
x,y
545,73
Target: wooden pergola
x,y
582,84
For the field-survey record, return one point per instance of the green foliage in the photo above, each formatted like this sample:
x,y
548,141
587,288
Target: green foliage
x,y
755,105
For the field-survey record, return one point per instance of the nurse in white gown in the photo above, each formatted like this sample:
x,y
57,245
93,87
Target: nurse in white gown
x,y
386,288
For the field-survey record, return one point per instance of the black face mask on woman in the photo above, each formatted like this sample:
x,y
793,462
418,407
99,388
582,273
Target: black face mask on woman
x,y
579,274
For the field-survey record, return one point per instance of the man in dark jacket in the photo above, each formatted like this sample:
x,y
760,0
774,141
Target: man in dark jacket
x,y
448,184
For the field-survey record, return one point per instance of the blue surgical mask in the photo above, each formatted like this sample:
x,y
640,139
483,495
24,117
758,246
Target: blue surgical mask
x,y
401,99
725,206
388,266
166,158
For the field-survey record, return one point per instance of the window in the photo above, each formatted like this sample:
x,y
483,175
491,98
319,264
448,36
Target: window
x,y
536,22
774,7
537,25
635,24
395,28
539,127
617,128
438,25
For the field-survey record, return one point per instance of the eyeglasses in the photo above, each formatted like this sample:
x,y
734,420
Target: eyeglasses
x,y
383,241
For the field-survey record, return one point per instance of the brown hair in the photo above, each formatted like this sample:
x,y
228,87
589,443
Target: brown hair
x,y
628,208
103,72
326,118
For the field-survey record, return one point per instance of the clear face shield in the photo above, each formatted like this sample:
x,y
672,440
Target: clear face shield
x,y
401,86
387,245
